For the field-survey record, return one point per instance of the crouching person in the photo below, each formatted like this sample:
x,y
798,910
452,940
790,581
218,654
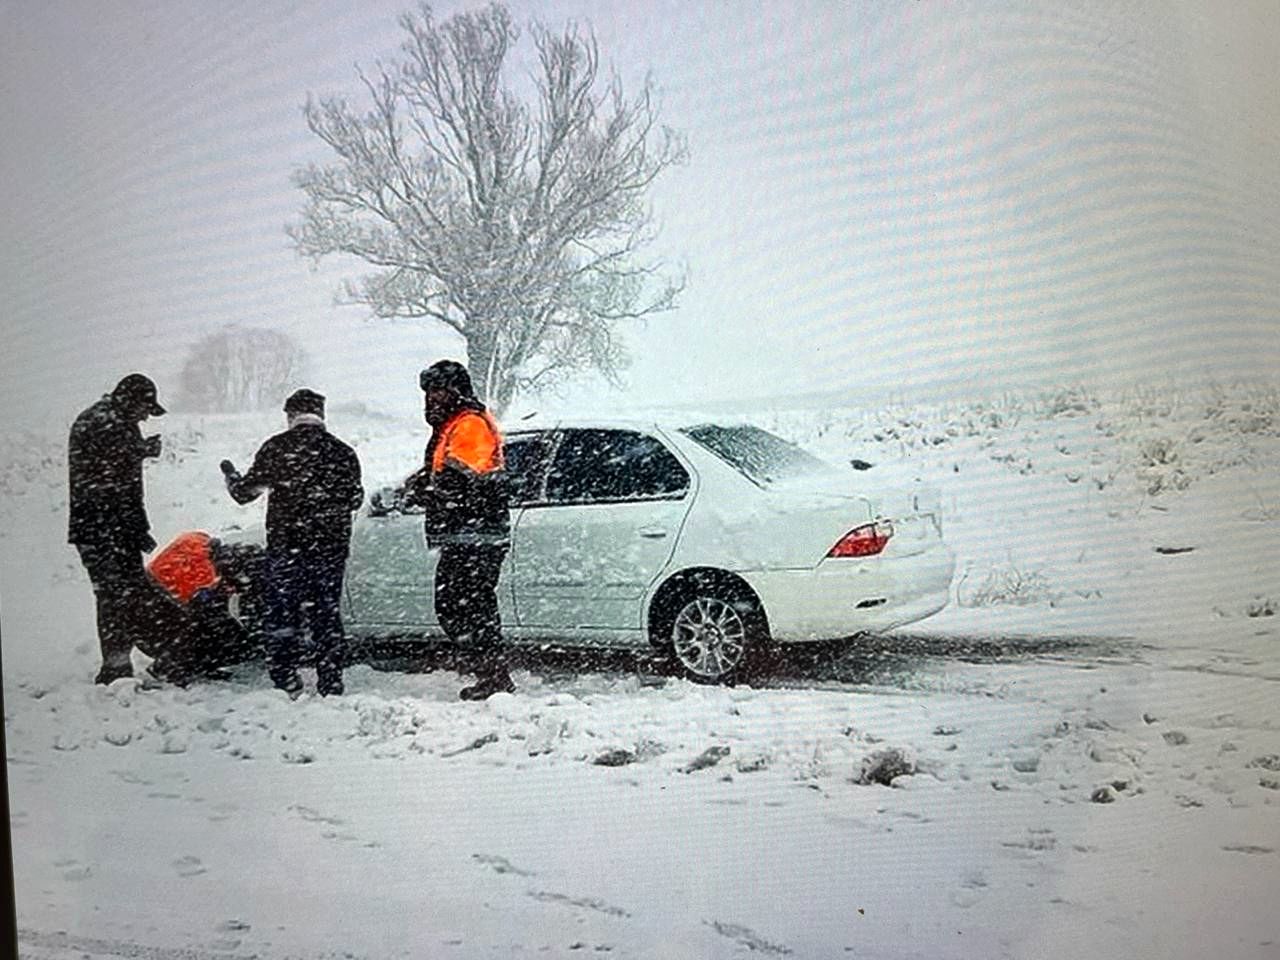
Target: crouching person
x,y
192,632
312,481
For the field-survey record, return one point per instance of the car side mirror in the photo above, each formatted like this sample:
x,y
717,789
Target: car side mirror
x,y
384,502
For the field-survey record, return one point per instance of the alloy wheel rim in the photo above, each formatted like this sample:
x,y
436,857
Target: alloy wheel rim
x,y
709,637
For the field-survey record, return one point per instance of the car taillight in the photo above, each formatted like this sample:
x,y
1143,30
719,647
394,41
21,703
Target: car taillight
x,y
864,541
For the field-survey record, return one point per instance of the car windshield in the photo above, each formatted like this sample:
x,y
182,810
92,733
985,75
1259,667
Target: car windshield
x,y
758,454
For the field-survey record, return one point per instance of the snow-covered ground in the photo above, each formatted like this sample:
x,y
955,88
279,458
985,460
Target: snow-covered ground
x,y
1093,726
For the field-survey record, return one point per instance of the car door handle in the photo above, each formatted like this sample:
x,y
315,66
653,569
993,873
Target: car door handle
x,y
652,533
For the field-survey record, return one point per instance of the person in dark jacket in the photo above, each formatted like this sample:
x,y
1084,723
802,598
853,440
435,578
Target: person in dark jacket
x,y
108,520
462,488
313,484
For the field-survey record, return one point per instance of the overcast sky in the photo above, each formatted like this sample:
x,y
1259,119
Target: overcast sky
x,y
883,196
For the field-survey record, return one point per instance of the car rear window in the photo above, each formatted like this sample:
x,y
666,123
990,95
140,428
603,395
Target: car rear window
x,y
758,454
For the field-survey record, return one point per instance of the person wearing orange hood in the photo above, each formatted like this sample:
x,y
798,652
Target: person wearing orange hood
x,y
193,633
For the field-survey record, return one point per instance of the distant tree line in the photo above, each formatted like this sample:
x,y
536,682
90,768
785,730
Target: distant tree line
x,y
240,369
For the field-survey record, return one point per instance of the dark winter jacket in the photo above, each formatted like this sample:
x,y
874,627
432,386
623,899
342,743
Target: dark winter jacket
x,y
461,484
313,484
104,469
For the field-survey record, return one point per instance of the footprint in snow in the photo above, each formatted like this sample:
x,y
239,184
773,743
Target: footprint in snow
x,y
189,866
315,816
1026,763
500,864
1246,848
748,938
587,903
972,889
74,870
222,812
340,836
1036,841
348,838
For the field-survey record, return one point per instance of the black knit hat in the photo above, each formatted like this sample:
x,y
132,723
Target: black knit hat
x,y
447,374
305,401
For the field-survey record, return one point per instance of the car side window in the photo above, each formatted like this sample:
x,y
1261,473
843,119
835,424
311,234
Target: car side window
x,y
525,461
601,466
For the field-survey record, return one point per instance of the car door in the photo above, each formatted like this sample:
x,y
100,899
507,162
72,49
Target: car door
x,y
391,574
584,555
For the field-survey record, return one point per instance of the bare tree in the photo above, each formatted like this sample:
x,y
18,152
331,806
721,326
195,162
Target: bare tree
x,y
241,368
518,224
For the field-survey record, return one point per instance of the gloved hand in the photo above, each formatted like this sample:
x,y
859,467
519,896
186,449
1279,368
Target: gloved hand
x,y
146,542
228,468
151,445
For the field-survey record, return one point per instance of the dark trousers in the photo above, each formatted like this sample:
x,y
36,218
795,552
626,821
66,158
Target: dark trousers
x,y
120,588
303,592
466,599
203,637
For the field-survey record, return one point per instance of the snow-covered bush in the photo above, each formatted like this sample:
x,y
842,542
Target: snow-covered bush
x,y
27,460
1066,402
885,765
1006,584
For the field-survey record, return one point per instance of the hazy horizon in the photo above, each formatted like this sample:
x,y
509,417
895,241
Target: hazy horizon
x,y
879,199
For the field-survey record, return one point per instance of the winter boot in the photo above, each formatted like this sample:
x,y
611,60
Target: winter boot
x,y
329,665
292,685
329,683
498,680
169,673
112,672
212,673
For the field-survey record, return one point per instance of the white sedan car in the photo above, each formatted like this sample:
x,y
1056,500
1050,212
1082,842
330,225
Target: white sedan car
x,y
704,540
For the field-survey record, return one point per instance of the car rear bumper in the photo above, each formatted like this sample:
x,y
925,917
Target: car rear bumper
x,y
840,598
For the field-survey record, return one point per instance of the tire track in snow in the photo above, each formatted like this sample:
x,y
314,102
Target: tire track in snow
x,y
60,945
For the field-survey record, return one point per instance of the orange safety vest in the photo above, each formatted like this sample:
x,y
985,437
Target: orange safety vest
x,y
185,566
472,439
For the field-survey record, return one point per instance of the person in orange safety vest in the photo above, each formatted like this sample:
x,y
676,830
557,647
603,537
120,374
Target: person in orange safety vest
x,y
462,487
194,633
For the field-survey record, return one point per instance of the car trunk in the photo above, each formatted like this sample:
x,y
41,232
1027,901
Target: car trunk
x,y
844,502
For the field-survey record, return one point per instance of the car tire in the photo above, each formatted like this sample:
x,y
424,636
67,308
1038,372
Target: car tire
x,y
398,655
714,632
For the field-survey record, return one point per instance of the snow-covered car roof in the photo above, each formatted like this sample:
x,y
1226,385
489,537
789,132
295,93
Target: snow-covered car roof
x,y
665,423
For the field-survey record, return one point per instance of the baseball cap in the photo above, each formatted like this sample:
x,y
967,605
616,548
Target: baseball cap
x,y
139,390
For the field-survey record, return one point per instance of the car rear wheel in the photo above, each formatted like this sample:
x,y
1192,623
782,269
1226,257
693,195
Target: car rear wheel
x,y
714,633
709,637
